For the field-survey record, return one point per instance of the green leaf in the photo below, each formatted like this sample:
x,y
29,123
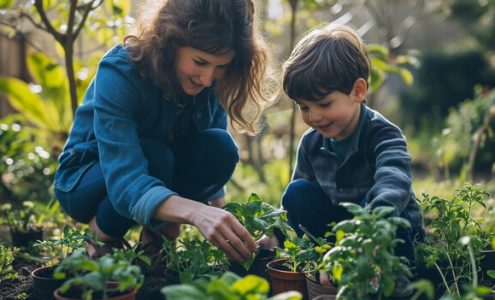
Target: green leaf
x,y
25,101
183,292
251,284
406,76
6,3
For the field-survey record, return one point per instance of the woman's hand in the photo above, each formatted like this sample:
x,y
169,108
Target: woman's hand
x,y
223,230
218,226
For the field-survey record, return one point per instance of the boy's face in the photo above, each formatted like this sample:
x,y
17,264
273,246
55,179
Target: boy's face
x,y
335,116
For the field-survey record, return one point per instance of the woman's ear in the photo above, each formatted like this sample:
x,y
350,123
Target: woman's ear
x,y
359,89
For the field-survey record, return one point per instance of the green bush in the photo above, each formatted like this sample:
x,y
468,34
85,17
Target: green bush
x,y
26,168
457,139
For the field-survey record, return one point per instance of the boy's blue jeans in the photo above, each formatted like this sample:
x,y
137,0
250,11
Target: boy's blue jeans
x,y
306,204
195,168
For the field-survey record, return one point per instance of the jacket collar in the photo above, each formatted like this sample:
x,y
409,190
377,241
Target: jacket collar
x,y
354,145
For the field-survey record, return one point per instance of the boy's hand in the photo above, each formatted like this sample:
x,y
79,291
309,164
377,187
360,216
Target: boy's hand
x,y
265,242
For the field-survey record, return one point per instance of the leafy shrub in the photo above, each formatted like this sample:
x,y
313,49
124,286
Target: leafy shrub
x,y
26,168
6,258
363,261
456,141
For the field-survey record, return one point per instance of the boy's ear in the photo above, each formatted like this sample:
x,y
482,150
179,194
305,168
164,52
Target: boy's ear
x,y
360,89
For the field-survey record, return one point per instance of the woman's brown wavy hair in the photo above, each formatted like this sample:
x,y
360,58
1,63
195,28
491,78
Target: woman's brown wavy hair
x,y
213,26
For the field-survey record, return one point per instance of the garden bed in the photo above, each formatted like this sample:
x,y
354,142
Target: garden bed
x,y
13,290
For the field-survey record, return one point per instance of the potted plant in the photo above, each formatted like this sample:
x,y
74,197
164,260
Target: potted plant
x,y
287,272
441,258
228,286
362,262
259,218
311,268
111,276
51,253
23,225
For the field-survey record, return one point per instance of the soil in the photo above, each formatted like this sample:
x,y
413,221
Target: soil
x,y
14,289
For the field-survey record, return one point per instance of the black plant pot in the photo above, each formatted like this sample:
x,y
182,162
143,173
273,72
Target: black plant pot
x,y
23,239
43,282
258,267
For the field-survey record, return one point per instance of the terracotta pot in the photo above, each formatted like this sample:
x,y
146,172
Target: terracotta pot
x,y
130,295
43,282
284,280
315,289
23,239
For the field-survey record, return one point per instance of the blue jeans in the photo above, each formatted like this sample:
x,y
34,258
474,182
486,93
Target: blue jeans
x,y
306,204
196,168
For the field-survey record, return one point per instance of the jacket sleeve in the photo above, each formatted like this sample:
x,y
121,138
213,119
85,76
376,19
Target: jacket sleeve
x,y
133,192
392,176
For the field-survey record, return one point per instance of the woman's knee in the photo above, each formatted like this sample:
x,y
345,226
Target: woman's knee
x,y
220,146
161,159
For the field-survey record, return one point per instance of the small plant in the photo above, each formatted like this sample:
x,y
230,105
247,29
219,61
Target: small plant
x,y
259,217
57,250
20,220
7,272
194,258
363,262
228,286
471,291
452,219
92,276
300,254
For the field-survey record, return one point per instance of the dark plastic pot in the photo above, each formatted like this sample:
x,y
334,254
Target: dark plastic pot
x,y
258,267
43,282
284,280
23,239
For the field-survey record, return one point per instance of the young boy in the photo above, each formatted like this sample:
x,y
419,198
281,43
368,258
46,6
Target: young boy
x,y
351,153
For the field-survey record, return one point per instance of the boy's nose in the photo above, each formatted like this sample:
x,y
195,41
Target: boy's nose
x,y
314,116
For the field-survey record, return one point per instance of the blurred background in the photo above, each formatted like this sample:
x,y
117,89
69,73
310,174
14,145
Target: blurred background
x,y
433,75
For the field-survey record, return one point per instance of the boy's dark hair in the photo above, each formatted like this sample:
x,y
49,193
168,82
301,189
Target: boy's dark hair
x,y
323,61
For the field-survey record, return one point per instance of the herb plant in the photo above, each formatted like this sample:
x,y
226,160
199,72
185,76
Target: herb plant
x,y
57,250
91,276
363,262
452,219
194,258
259,217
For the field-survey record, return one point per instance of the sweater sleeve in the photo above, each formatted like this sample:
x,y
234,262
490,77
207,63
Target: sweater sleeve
x,y
392,176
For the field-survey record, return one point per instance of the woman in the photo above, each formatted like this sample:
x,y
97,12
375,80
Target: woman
x,y
149,143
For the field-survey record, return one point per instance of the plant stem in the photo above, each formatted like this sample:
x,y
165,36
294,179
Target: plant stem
x,y
443,278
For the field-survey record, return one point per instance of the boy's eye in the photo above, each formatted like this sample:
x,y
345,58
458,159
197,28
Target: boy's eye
x,y
325,104
303,108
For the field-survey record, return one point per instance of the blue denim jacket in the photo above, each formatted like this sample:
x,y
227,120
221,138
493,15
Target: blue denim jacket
x,y
119,108
375,168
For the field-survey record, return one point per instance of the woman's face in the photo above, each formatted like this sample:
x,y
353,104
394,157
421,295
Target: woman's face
x,y
196,69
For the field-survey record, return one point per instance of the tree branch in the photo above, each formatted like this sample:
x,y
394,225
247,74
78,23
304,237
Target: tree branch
x,y
46,22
